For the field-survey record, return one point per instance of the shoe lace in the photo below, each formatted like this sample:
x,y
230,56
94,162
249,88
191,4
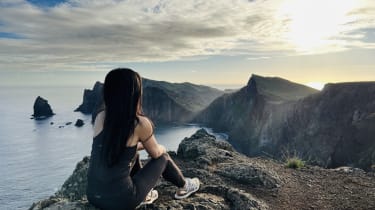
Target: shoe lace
x,y
189,185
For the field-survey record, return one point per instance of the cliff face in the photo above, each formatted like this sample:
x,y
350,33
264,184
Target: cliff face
x,y
335,127
91,99
273,117
162,101
230,180
163,108
248,112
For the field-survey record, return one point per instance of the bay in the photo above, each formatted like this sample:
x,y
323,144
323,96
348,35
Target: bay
x,y
38,156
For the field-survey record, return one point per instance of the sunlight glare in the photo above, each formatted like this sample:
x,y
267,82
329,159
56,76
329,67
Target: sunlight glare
x,y
313,25
316,85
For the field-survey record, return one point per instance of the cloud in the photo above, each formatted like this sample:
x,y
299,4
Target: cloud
x,y
258,58
79,32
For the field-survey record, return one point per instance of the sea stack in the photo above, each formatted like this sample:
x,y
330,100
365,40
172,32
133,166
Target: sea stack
x,y
42,109
79,123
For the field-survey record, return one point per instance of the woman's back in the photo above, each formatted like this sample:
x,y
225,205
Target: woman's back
x,y
109,187
100,173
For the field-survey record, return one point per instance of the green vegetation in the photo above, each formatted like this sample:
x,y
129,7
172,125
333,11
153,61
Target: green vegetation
x,y
294,162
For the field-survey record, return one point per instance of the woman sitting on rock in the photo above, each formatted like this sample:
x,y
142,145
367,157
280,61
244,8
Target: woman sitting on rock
x,y
116,179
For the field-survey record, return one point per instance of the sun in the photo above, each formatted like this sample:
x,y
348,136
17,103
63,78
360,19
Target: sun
x,y
316,85
315,25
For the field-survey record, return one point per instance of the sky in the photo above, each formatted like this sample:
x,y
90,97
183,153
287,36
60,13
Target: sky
x,y
201,41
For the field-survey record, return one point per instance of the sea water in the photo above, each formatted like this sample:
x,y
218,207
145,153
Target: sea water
x,y
37,156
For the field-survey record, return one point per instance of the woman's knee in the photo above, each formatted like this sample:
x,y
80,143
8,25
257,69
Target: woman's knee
x,y
165,156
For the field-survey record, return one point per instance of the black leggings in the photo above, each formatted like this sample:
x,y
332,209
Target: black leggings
x,y
145,178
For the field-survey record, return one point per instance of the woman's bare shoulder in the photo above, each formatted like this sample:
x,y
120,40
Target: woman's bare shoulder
x,y
144,122
144,127
98,123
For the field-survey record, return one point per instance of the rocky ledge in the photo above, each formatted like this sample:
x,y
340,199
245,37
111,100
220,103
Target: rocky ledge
x,y
231,180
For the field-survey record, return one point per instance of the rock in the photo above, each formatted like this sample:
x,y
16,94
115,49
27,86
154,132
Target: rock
x,y
51,123
74,188
242,200
206,151
79,123
252,175
216,191
42,109
55,203
346,169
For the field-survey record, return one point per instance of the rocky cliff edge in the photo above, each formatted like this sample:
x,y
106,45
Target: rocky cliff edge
x,y
231,180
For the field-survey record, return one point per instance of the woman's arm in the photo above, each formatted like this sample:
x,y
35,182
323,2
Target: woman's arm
x,y
140,146
145,131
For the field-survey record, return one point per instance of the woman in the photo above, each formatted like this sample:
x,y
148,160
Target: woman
x,y
116,179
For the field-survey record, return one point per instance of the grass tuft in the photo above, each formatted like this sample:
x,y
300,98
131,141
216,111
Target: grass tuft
x,y
294,162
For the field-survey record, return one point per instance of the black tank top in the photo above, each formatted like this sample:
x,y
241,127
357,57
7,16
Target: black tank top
x,y
104,181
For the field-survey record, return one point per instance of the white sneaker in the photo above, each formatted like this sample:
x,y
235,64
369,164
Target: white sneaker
x,y
191,186
151,197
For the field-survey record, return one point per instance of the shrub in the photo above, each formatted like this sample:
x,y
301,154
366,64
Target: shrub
x,y
294,162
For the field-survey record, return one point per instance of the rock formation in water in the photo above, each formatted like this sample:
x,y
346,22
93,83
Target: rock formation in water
x,y
162,101
231,180
277,118
42,109
79,123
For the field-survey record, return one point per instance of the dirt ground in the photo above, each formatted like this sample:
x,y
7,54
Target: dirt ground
x,y
313,187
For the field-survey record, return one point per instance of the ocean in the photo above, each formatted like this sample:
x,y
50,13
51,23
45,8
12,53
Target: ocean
x,y
37,156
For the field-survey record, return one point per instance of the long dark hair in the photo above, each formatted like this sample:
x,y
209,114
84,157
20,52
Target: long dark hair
x,y
122,95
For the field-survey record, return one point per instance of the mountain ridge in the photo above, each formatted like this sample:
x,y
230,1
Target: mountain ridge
x,y
271,86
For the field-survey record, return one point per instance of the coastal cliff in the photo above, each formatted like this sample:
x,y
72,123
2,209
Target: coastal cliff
x,y
272,117
278,118
335,127
162,101
253,110
231,180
